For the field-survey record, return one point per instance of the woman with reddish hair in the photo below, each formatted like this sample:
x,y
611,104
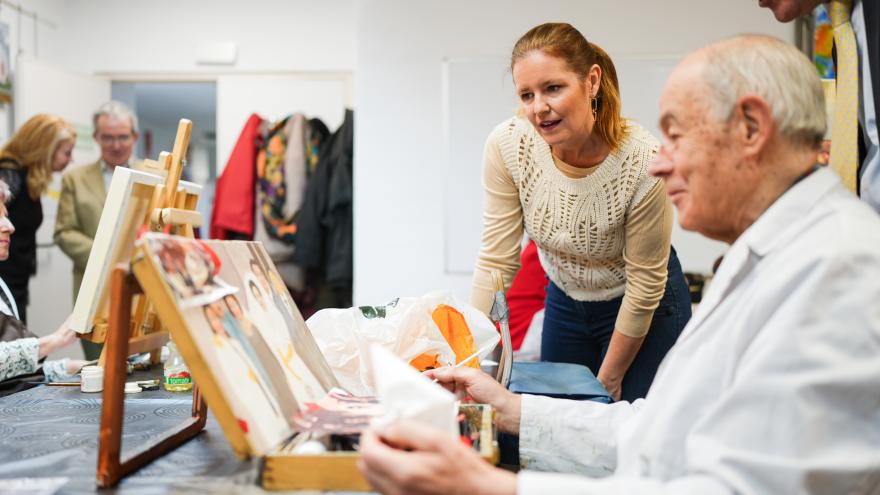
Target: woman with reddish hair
x,y
572,172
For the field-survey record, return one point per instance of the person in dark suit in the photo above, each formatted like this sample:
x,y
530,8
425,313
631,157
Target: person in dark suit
x,y
865,20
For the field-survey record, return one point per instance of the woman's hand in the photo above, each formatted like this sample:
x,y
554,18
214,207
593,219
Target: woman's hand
x,y
409,458
74,366
612,384
483,389
621,352
61,338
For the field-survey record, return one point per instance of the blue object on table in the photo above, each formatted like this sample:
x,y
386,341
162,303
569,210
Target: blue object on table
x,y
560,380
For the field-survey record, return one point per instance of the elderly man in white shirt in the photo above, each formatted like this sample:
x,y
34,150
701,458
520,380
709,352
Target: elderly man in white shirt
x,y
774,385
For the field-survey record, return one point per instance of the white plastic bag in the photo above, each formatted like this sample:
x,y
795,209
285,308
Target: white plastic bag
x,y
404,327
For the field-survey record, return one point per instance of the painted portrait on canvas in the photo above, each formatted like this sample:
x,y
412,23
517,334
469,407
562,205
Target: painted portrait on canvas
x,y
191,269
246,328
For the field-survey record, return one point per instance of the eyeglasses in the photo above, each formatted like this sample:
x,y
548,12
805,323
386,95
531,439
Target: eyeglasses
x,y
108,140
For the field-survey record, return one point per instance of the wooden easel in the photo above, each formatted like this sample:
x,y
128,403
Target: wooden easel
x,y
169,208
129,334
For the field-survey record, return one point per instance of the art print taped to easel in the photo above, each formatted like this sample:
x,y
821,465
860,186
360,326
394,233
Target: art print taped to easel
x,y
247,329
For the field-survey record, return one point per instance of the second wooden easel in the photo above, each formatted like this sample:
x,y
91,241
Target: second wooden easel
x,y
128,332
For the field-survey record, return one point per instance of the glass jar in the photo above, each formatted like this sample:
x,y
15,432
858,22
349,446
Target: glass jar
x,y
177,377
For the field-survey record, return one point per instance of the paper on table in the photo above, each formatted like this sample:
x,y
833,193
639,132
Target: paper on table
x,y
405,394
32,486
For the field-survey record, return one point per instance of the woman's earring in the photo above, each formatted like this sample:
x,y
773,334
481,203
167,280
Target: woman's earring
x,y
594,106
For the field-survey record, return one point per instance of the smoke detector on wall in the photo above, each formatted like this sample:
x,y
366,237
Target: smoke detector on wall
x,y
217,53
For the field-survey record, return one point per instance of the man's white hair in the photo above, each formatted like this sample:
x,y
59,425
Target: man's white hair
x,y
116,110
774,70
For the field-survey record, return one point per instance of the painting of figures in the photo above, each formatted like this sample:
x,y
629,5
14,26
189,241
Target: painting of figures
x,y
245,328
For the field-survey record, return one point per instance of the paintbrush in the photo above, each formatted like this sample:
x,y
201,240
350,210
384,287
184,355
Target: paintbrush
x,y
464,361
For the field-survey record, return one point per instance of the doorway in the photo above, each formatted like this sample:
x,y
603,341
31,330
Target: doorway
x,y
159,105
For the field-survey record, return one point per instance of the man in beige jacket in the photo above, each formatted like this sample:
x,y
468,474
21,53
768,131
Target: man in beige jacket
x,y
84,190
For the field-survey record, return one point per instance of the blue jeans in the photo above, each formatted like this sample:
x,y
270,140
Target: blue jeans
x,y
580,331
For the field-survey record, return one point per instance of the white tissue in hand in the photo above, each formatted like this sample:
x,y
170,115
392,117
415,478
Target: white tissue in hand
x,y
406,394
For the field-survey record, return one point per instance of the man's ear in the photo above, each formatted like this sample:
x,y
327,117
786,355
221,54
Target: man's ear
x,y
756,121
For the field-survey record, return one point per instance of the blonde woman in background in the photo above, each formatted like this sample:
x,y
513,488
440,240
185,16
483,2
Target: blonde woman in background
x,y
40,147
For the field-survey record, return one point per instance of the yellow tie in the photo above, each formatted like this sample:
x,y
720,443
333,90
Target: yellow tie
x,y
845,124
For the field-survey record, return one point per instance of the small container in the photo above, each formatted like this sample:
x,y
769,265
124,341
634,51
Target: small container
x,y
92,379
177,377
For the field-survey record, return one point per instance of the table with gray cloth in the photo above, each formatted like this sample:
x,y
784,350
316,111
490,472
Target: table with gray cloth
x,y
52,432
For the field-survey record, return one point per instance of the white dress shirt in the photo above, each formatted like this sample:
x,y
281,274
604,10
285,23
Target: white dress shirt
x,y
773,386
869,187
107,172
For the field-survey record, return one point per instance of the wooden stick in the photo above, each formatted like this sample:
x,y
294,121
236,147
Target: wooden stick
x,y
177,217
115,371
178,153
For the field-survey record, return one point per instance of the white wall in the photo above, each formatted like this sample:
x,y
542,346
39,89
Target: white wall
x,y
274,38
159,39
399,173
162,35
30,38
274,97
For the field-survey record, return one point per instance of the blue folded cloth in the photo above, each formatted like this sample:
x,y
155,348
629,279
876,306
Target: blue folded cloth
x,y
560,380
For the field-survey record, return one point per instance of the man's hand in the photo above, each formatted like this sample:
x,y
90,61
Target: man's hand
x,y
409,458
483,389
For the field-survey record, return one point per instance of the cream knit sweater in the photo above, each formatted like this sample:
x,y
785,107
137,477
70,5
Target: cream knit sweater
x,y
601,232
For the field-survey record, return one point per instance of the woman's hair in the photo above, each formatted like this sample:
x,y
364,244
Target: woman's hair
x,y
254,287
562,40
33,146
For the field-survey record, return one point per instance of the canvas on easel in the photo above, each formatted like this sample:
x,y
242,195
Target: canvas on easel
x,y
128,200
248,348
244,328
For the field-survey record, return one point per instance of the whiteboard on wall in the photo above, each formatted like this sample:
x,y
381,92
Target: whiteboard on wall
x,y
477,95
274,97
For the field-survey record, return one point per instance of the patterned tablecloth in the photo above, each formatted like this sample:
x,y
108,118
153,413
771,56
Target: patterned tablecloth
x,y
52,432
